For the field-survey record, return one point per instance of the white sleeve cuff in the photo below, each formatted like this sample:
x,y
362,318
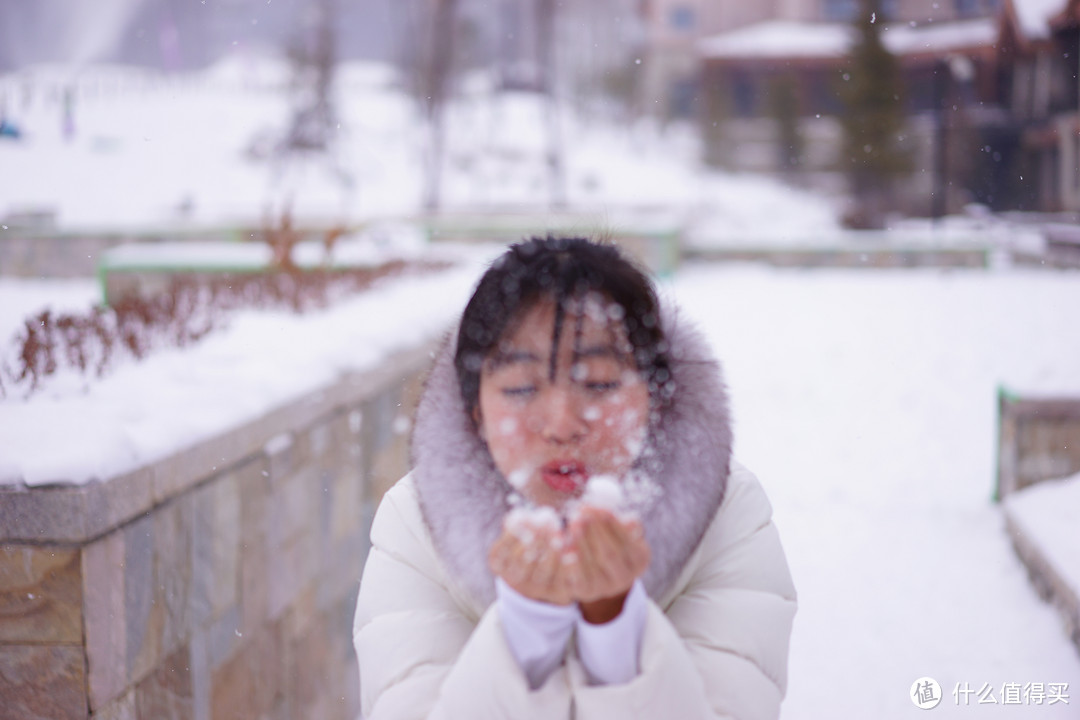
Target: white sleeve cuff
x,y
610,651
537,632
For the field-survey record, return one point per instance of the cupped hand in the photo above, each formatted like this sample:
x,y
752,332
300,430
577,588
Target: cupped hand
x,y
609,554
533,565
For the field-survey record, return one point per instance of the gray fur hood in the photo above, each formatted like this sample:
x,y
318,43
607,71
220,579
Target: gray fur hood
x,y
463,498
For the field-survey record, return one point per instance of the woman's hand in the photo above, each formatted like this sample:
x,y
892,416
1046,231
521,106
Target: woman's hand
x,y
533,566
608,556
594,562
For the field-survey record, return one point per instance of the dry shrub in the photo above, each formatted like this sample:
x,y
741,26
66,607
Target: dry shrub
x,y
193,306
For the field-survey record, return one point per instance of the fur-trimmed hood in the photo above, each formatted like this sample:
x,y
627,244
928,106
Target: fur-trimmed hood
x,y
463,497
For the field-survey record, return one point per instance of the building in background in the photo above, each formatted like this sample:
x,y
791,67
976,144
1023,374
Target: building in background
x,y
991,95
1039,79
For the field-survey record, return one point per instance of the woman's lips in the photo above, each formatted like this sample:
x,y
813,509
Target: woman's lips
x,y
565,476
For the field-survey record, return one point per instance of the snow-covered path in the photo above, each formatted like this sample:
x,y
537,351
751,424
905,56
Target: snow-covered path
x,y
866,403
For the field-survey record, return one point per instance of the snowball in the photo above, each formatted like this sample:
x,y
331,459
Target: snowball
x,y
524,522
605,492
519,478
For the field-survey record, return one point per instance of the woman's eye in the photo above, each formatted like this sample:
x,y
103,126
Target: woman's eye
x,y
602,386
519,391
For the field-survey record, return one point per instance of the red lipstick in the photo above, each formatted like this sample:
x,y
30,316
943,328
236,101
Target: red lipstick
x,y
565,476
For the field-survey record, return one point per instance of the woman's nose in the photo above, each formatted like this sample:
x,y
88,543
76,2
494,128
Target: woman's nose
x,y
563,419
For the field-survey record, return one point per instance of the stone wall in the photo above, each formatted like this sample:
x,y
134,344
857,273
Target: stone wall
x,y
217,583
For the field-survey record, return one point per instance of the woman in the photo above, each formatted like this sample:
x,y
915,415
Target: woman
x,y
499,586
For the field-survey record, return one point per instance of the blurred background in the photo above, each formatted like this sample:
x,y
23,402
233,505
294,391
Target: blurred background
x,y
921,108
232,233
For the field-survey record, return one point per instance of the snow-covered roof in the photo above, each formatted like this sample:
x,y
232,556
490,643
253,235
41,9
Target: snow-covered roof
x,y
1034,15
785,39
904,39
781,39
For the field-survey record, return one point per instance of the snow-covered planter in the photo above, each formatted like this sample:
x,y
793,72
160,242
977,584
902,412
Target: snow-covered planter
x,y
218,581
1038,451
184,536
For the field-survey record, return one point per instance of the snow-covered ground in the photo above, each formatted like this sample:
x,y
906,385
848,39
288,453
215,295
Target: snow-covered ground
x,y
155,150
1047,513
866,403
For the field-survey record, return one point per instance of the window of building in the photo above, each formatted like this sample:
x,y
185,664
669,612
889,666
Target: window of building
x,y
840,10
848,10
967,8
744,95
682,17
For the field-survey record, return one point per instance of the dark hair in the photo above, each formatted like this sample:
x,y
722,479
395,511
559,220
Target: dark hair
x,y
561,269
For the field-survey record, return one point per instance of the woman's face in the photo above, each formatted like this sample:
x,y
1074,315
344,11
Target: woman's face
x,y
554,416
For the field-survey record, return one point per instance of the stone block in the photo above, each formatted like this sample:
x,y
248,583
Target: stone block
x,y
251,684
42,514
254,488
350,690
166,693
223,637
200,676
345,562
194,464
40,595
174,526
385,411
42,682
105,616
114,502
389,465
144,617
294,504
216,547
295,564
73,514
344,502
309,671
280,452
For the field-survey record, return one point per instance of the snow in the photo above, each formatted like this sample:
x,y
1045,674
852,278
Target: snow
x,y
789,39
180,153
780,39
23,298
604,492
1046,513
1034,15
524,522
942,36
866,404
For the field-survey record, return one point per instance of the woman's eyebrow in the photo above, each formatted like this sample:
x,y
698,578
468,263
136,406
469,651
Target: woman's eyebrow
x,y
502,359
598,351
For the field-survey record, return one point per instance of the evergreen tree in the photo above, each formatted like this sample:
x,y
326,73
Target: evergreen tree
x,y
873,120
784,104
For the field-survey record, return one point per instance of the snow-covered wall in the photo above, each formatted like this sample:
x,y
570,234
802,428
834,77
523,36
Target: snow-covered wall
x,y
217,582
